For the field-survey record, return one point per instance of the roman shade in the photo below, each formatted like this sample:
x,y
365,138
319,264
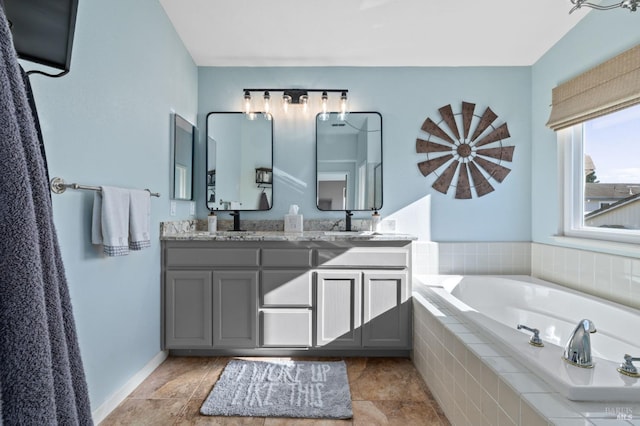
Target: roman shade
x,y
608,87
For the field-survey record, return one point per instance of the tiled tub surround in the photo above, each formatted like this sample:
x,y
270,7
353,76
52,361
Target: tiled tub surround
x,y
482,258
610,276
604,275
476,382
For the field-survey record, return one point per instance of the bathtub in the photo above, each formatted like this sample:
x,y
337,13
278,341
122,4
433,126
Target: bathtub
x,y
497,304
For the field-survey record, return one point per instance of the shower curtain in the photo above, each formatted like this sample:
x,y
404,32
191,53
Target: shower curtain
x,y
42,380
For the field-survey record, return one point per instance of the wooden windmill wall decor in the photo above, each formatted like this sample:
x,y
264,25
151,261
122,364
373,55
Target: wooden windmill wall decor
x,y
480,154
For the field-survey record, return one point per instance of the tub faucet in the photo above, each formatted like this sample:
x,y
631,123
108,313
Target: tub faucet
x,y
577,351
535,339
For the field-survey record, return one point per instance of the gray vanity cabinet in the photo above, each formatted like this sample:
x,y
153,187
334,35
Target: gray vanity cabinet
x,y
235,306
188,309
287,297
363,298
210,295
386,312
339,309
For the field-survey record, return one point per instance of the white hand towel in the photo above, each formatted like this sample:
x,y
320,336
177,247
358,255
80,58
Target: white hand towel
x,y
96,219
139,219
115,220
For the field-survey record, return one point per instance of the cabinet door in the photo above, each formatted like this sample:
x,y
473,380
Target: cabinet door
x,y
187,309
338,320
235,307
386,309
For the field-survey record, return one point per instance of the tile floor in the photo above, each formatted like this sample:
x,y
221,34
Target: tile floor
x,y
384,391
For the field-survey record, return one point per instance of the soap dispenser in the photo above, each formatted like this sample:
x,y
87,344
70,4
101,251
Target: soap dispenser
x,y
375,221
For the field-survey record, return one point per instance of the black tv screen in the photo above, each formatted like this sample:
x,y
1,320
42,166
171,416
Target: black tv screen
x,y
43,30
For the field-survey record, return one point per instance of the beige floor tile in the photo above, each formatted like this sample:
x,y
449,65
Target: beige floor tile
x,y
277,421
384,391
191,416
177,377
388,379
141,412
210,378
394,413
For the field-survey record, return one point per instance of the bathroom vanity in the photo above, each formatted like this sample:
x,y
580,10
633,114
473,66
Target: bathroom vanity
x,y
267,293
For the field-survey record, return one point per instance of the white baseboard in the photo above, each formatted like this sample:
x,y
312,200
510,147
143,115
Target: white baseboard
x,y
100,413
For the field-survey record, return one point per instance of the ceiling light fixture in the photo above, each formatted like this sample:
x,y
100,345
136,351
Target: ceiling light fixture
x,y
632,5
295,97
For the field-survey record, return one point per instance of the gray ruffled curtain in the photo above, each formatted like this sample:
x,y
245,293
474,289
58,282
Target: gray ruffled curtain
x,y
42,380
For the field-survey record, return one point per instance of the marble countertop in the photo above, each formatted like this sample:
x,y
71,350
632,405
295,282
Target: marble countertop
x,y
282,236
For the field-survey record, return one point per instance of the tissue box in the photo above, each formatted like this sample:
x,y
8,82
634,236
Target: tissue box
x,y
293,223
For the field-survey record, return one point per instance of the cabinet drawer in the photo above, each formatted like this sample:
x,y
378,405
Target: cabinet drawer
x,y
286,327
286,288
295,258
211,257
367,257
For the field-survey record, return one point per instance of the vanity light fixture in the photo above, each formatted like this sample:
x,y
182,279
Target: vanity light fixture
x,y
267,105
286,101
324,104
632,5
295,97
343,106
247,102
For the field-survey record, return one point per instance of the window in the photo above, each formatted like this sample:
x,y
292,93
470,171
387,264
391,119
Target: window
x,y
602,177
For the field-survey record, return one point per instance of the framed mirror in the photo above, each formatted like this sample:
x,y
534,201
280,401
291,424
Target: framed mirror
x,y
239,161
349,161
182,159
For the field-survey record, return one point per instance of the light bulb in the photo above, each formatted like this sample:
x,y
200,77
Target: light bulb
x,y
304,101
247,102
267,103
286,101
323,102
343,103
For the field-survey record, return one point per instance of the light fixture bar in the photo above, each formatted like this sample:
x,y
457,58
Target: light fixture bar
x,y
295,96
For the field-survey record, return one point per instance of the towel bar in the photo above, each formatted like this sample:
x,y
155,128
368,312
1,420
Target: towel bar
x,y
58,186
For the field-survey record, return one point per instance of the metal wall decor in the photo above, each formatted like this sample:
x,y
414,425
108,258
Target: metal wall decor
x,y
451,151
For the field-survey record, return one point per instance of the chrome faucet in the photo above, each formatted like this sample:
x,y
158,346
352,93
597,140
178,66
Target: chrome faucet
x,y
577,351
535,339
627,368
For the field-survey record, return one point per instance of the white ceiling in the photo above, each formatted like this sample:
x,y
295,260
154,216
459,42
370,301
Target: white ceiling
x,y
369,32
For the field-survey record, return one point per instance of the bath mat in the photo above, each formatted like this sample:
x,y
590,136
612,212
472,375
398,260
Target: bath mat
x,y
307,389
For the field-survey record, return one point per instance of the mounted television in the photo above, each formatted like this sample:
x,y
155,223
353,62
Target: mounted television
x,y
43,30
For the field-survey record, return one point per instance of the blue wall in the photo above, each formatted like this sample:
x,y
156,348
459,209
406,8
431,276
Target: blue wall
x,y
597,37
107,122
405,97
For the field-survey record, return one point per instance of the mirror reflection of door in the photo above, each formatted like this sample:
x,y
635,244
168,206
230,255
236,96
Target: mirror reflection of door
x,y
239,161
180,190
182,150
349,161
332,188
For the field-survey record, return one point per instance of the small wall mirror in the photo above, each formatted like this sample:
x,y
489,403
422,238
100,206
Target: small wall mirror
x,y
182,150
349,161
239,161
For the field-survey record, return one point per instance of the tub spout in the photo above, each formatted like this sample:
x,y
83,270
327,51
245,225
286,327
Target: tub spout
x,y
577,351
